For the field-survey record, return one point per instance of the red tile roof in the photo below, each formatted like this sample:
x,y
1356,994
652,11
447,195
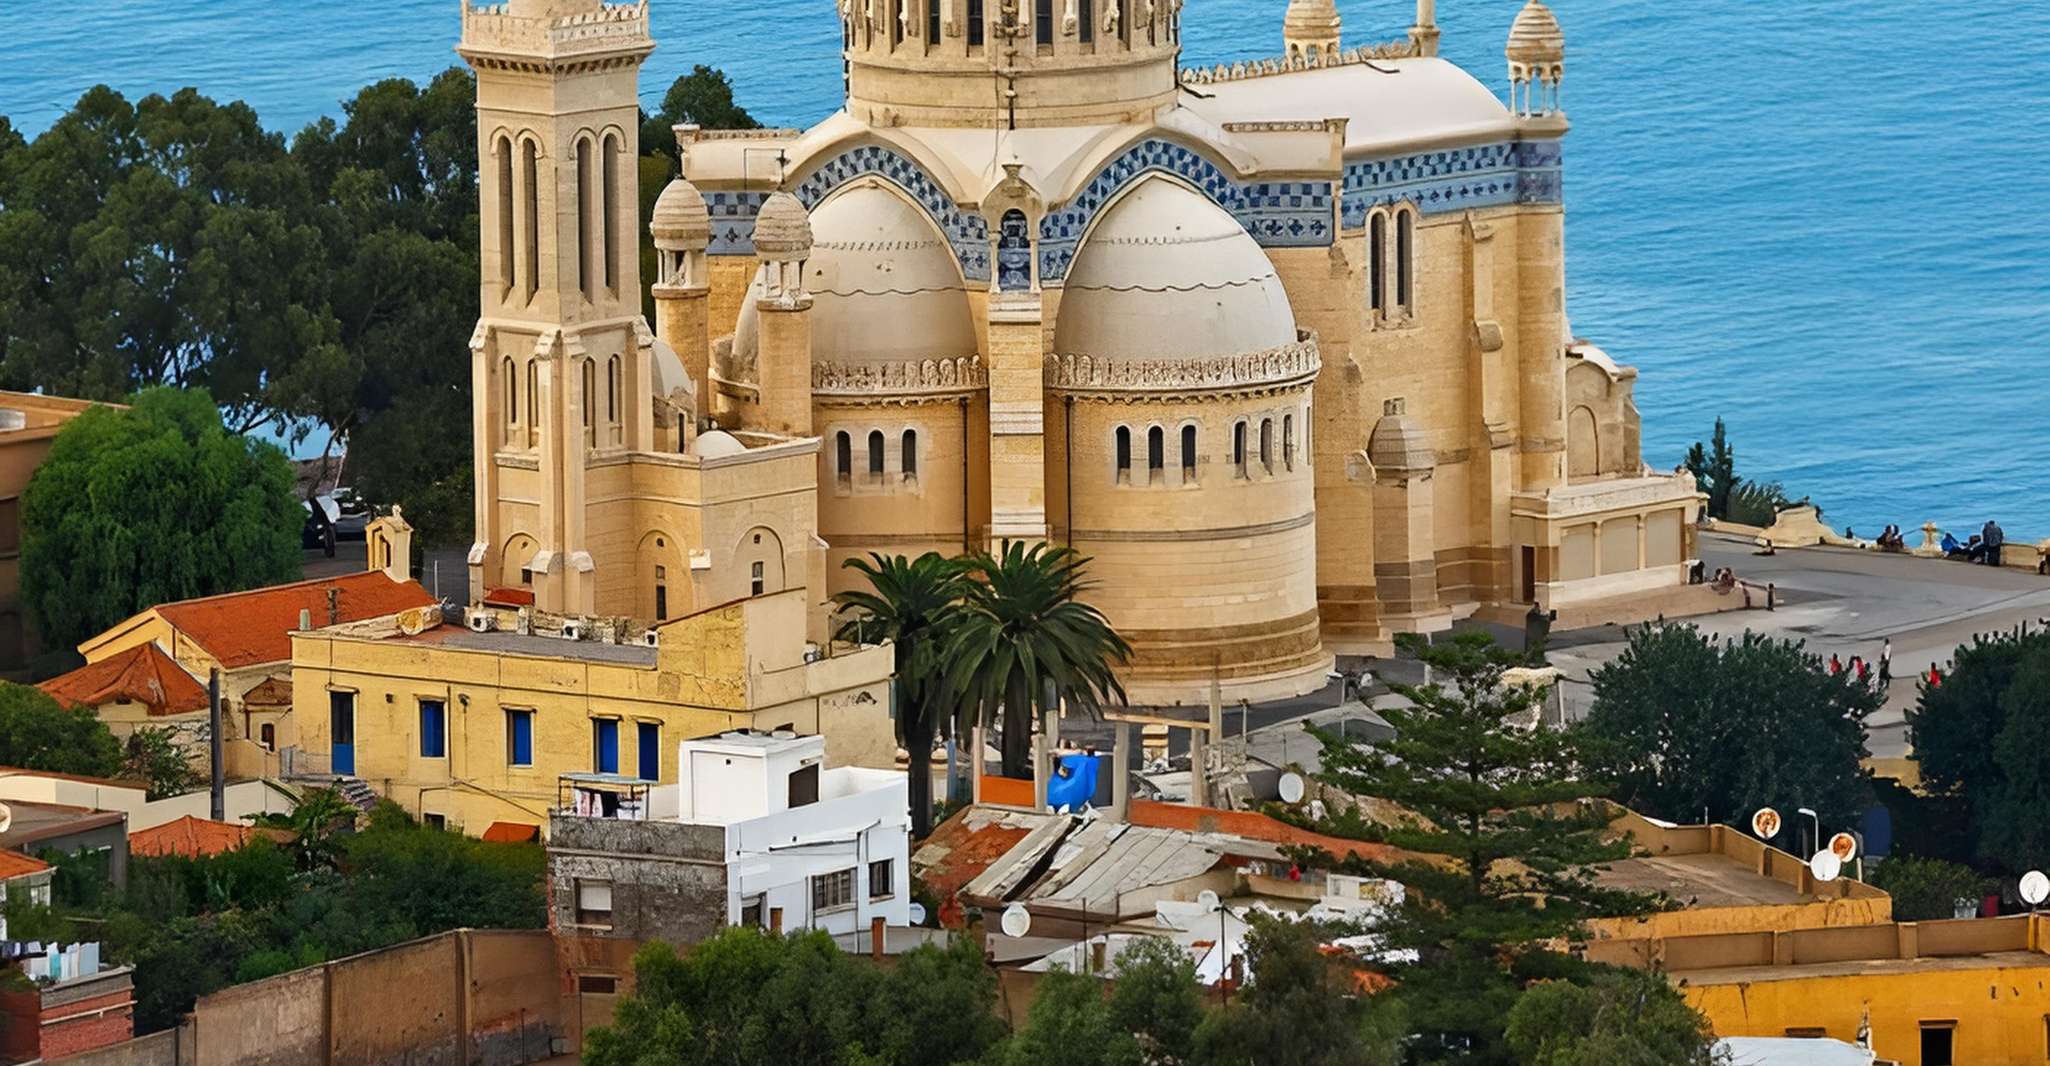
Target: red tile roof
x,y
964,853
14,864
142,674
196,837
246,628
509,597
1252,825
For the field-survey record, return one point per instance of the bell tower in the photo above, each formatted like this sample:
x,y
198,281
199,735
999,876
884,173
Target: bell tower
x,y
560,358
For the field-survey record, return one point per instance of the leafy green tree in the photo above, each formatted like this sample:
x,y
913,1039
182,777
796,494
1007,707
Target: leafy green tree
x,y
1683,724
1625,1018
1925,890
154,758
1755,503
1715,470
317,824
2014,835
1155,997
1954,728
1026,641
1300,1008
1489,792
909,602
1070,1021
147,505
704,97
38,733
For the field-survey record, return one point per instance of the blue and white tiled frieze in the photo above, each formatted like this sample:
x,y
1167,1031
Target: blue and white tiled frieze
x,y
1455,179
733,213
1279,214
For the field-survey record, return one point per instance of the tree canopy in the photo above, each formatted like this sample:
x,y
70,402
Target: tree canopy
x,y
1978,739
150,504
38,733
1622,1018
1714,467
703,97
1683,724
911,603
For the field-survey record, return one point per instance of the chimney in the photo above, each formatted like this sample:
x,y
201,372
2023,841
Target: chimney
x,y
334,606
305,619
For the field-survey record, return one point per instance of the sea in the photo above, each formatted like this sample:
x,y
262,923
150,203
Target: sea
x,y
1826,222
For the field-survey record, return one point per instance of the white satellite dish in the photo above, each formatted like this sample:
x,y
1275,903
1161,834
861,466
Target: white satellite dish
x,y
1017,921
917,913
1208,900
1825,865
1291,787
2035,888
6,818
1844,846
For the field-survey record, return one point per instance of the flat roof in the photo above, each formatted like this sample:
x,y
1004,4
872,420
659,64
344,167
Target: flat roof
x,y
1992,960
36,822
499,642
1706,879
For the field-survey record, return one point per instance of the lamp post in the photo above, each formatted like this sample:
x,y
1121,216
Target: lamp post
x,y
1817,819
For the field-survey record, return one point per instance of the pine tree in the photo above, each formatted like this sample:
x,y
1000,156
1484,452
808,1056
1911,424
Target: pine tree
x,y
1715,470
1504,844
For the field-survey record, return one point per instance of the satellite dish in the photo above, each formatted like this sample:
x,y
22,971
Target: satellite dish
x,y
6,818
1017,921
1208,900
1291,787
2035,887
1765,824
918,914
1844,846
1825,865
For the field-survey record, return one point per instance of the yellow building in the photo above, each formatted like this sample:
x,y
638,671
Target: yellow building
x,y
474,724
1282,345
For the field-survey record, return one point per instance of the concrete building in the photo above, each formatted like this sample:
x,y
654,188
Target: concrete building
x,y
241,799
72,1009
22,877
758,830
35,828
28,423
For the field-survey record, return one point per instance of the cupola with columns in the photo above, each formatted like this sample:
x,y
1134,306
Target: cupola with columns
x,y
1537,61
1310,29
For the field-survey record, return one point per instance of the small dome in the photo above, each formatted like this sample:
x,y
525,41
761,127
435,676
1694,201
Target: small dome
x,y
1397,446
1535,39
782,229
715,443
681,222
670,376
1167,274
1310,19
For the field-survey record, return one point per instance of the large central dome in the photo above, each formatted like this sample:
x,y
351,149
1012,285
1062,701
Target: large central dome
x,y
1167,274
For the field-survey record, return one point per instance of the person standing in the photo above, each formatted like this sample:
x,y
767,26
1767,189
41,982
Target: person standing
x,y
1996,539
1885,663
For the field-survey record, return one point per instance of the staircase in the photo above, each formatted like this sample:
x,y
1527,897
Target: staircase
x,y
356,792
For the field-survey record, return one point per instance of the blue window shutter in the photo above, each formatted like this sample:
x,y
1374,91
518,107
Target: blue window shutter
x,y
648,745
520,726
433,729
605,743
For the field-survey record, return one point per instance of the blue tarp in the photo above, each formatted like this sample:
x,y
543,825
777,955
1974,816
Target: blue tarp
x,y
1074,782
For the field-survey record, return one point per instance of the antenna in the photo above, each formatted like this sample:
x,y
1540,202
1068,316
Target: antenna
x,y
1017,921
1291,787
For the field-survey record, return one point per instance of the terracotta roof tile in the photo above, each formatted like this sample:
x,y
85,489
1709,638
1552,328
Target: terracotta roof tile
x,y
509,597
196,837
14,864
142,674
246,628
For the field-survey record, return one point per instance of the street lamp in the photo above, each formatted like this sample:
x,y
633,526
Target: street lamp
x,y
1810,812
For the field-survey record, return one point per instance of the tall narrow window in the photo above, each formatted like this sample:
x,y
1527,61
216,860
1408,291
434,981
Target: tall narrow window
x,y
1288,441
1309,457
910,463
533,402
932,23
1377,263
605,745
1238,448
502,156
1156,452
1188,453
519,738
875,454
608,226
975,20
587,207
1267,444
1405,240
530,173
1124,453
648,749
1124,21
756,580
591,403
612,393
1042,23
1085,20
843,455
897,21
661,593
512,396
433,729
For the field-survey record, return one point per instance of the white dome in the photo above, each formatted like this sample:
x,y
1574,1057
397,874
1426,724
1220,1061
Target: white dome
x,y
883,283
714,443
1167,274
670,376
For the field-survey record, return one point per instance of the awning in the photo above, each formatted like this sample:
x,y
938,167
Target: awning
x,y
512,832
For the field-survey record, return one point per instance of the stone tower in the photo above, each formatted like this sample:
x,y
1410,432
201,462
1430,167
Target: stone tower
x,y
1310,30
561,360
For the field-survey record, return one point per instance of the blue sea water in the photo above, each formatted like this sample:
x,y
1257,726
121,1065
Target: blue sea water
x,y
1826,221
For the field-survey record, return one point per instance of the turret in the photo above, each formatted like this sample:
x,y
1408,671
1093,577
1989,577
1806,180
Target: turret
x,y
1310,30
782,241
1425,32
682,229
1537,61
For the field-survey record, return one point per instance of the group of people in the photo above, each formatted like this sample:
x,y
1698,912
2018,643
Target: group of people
x,y
1890,540
1983,546
1862,670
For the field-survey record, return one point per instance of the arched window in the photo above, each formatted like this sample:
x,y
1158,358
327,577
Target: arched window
x,y
1267,444
1156,452
843,455
590,370
533,402
1288,441
1238,448
875,453
1377,263
1188,453
910,463
608,226
530,173
1405,255
502,156
586,233
1124,453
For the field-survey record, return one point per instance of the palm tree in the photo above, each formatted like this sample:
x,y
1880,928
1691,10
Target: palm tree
x,y
1025,641
910,603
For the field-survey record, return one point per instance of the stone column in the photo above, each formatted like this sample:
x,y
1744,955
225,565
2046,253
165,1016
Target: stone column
x,y
784,364
1405,534
1017,418
1541,346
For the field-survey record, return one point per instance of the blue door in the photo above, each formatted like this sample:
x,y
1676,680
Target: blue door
x,y
341,724
605,745
648,747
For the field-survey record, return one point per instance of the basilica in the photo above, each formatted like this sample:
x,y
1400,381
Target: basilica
x,y
1281,345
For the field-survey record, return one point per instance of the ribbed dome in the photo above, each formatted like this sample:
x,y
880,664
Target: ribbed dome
x,y
1167,274
1310,18
681,222
1397,446
782,229
883,283
1535,38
